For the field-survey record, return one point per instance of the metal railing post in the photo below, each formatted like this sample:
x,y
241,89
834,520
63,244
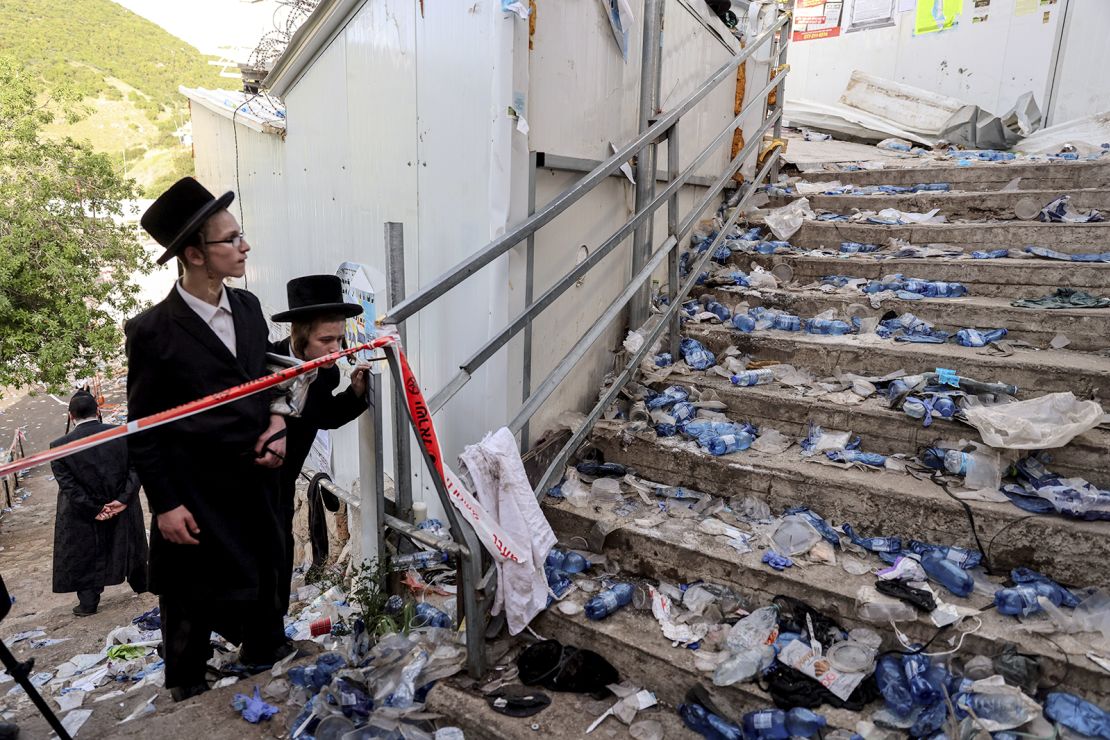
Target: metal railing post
x,y
529,291
672,230
780,92
371,469
469,574
402,450
642,239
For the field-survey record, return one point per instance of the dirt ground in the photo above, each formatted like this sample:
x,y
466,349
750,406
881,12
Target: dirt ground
x,y
26,551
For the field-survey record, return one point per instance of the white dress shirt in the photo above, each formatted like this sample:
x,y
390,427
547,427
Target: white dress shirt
x,y
217,317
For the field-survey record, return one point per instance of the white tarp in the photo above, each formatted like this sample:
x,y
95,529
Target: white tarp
x,y
1087,135
908,107
1046,422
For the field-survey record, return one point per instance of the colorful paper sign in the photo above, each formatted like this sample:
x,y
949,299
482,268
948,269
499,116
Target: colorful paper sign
x,y
933,16
817,19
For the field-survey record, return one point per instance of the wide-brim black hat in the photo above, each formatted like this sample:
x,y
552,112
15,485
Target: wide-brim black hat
x,y
179,213
313,295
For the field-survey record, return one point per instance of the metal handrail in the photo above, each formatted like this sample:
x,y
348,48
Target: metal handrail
x,y
457,274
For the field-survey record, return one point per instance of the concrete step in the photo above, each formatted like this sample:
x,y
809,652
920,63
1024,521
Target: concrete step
x,y
875,502
632,641
886,430
1088,329
992,205
1012,278
1086,375
1059,176
1066,238
569,715
691,556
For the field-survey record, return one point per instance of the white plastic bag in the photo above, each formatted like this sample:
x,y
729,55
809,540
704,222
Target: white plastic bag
x,y
1050,421
784,222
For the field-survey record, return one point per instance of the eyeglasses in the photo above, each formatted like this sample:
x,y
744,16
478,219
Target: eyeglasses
x,y
234,241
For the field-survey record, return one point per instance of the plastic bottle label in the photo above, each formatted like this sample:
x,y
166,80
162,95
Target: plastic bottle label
x,y
948,377
763,720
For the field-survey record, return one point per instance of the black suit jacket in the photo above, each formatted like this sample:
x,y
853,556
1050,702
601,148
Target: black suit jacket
x,y
205,462
90,554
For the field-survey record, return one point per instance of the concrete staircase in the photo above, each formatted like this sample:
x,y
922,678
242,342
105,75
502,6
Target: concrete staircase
x,y
881,502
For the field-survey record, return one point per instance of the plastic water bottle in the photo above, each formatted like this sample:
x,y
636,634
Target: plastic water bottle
x,y
874,544
428,616
602,469
961,556
708,725
744,665
961,463
873,459
1017,601
753,377
671,394
1047,587
683,411
435,526
786,322
1077,714
726,444
979,337
775,724
893,685
418,560
718,310
1007,710
609,601
575,563
556,558
829,327
664,359
743,322
696,355
556,581
916,668
947,573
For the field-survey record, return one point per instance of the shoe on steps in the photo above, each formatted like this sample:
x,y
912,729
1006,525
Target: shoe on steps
x,y
181,693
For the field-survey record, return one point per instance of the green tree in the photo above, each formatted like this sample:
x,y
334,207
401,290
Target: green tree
x,y
66,258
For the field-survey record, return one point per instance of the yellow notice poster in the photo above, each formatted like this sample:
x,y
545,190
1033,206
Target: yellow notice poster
x,y
936,15
1025,7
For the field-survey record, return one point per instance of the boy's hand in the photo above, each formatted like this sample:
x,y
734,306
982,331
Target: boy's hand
x,y
178,526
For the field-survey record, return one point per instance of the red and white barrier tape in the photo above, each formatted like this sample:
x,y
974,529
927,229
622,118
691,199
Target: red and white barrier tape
x,y
492,536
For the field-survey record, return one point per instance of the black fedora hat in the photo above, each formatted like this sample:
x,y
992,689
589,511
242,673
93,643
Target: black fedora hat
x,y
179,213
313,295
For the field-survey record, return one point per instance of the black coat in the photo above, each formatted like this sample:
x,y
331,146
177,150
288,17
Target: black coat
x,y
205,462
89,554
323,409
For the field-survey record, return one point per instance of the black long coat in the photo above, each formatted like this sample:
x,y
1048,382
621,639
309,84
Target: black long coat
x,y
205,462
89,554
323,409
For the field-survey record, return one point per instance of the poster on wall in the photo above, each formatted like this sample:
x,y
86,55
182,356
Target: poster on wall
x,y
867,15
933,16
1025,7
817,19
358,289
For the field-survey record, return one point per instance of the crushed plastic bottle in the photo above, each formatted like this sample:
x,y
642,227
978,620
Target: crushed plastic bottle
x,y
418,560
979,337
916,668
664,359
743,322
1004,710
696,355
428,616
775,724
726,444
744,665
786,322
670,395
961,556
874,544
947,573
1077,714
872,459
893,685
748,378
718,310
708,725
829,327
609,601
1046,587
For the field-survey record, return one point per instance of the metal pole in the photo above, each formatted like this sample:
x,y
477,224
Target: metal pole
x,y
782,44
672,230
469,574
402,450
371,471
645,160
529,291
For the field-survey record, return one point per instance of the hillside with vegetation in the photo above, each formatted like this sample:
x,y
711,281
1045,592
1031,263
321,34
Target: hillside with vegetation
x,y
122,71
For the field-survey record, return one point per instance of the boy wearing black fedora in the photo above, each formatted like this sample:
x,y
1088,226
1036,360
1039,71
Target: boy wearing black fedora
x,y
317,314
212,478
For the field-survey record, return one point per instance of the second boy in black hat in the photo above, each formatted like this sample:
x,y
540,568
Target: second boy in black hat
x,y
318,314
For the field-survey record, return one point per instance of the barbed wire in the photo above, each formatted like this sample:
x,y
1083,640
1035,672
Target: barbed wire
x,y
288,17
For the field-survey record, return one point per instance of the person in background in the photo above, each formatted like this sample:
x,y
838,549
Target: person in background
x,y
99,537
317,314
211,479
